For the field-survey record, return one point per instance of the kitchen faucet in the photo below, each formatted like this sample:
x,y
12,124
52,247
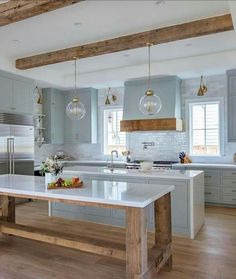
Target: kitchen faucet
x,y
112,163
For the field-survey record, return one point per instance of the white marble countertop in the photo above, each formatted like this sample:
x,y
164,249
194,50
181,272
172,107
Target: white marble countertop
x,y
170,174
90,162
84,162
102,192
205,165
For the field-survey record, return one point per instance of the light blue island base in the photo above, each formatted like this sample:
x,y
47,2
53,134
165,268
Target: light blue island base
x,y
187,198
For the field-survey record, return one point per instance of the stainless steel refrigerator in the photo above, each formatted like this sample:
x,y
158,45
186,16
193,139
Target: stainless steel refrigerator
x,y
16,144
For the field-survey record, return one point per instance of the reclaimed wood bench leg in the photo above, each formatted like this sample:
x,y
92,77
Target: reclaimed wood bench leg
x,y
136,243
163,232
7,205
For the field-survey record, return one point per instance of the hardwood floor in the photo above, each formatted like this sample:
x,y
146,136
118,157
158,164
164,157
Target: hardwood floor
x,y
212,255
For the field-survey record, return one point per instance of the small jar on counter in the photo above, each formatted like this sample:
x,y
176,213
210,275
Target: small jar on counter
x,y
234,157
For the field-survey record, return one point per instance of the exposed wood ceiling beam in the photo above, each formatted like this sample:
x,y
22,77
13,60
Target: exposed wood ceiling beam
x,y
16,10
158,36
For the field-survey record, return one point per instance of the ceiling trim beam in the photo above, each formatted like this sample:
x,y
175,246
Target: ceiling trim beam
x,y
16,10
187,30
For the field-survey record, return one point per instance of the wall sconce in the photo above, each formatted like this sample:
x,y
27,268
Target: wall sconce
x,y
38,96
202,89
110,97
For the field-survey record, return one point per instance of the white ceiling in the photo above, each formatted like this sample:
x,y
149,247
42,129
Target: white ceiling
x,y
98,20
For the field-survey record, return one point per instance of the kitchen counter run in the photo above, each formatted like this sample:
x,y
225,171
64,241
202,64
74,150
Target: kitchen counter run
x,y
205,165
168,174
120,164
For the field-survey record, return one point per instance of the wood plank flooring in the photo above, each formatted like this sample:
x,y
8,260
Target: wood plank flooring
x,y
212,255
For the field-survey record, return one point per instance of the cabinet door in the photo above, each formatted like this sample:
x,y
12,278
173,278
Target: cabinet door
x,y
231,118
71,126
212,194
22,98
87,127
232,84
57,118
212,177
5,94
84,125
166,88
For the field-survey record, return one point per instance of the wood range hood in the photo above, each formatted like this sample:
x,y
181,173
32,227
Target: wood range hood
x,y
161,124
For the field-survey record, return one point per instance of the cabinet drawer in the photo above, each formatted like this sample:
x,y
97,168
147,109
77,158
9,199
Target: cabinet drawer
x,y
229,182
212,194
229,199
212,178
229,173
229,191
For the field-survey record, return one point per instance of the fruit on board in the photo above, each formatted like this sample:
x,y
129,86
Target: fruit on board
x,y
75,181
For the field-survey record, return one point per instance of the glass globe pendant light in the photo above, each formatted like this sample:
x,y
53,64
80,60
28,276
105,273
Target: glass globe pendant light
x,y
75,110
150,103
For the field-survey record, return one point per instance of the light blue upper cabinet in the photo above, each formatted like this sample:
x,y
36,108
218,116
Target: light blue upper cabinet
x,y
231,80
167,88
71,127
53,122
84,130
16,94
5,93
22,100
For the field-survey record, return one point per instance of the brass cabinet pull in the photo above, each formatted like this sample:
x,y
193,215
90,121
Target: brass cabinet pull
x,y
207,193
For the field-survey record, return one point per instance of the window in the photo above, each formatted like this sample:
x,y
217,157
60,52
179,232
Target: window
x,y
113,138
205,128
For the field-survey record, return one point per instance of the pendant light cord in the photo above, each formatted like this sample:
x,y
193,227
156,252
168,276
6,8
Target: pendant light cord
x,y
75,76
149,66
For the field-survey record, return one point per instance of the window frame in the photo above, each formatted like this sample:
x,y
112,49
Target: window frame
x,y
189,105
113,108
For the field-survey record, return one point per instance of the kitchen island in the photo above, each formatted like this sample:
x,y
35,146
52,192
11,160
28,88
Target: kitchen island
x,y
134,199
187,199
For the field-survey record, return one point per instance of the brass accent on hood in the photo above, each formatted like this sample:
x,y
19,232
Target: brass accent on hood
x,y
161,124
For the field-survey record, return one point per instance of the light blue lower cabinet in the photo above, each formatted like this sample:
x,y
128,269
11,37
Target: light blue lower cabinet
x,y
94,214
180,207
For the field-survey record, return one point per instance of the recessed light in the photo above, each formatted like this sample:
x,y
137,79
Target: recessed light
x,y
16,41
159,2
77,23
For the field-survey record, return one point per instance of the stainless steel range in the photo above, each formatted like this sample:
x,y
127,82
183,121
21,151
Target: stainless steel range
x,y
158,165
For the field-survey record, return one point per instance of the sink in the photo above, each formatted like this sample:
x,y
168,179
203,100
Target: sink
x,y
115,170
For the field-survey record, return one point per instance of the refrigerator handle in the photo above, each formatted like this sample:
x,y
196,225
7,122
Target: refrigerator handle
x,y
13,155
9,153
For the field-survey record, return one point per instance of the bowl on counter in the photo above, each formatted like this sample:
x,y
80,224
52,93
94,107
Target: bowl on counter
x,y
146,165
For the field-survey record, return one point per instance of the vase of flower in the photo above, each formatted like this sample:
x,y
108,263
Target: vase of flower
x,y
51,169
